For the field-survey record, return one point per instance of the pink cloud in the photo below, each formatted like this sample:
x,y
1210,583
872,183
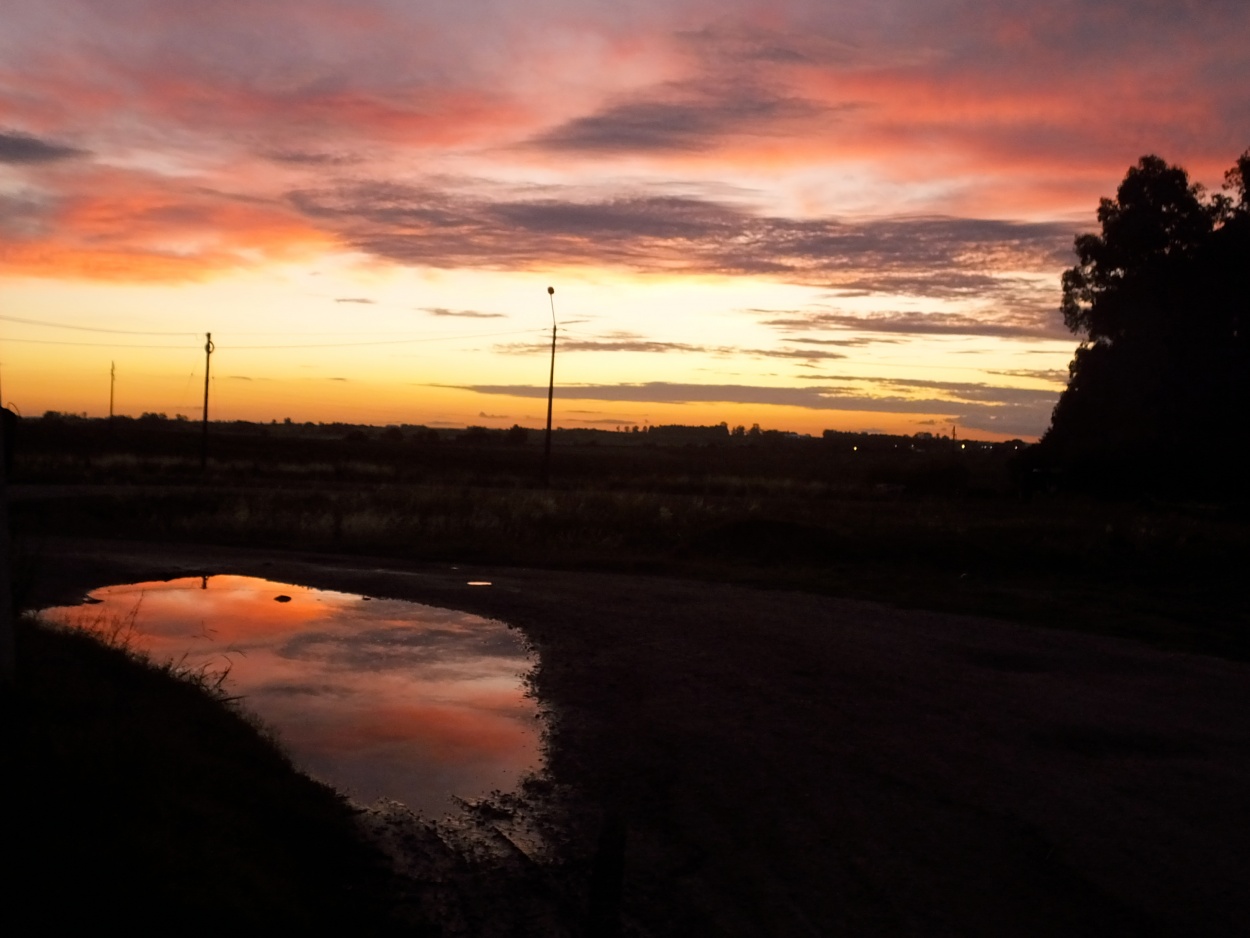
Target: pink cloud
x,y
103,223
981,110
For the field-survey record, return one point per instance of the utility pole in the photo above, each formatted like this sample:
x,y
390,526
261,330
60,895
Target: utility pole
x,y
8,624
112,384
208,354
551,390
8,640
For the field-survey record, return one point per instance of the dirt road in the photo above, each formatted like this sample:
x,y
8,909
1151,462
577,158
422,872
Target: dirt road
x,y
789,764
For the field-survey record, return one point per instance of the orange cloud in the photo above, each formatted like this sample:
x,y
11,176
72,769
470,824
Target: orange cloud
x,y
114,224
227,612
452,734
959,110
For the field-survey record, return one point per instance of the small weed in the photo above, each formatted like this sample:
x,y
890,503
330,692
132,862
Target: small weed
x,y
121,632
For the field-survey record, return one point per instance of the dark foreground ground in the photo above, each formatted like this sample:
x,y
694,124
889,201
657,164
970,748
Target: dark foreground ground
x,y
142,800
791,764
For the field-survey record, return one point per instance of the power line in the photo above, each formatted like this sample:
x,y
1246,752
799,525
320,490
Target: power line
x,y
439,338
63,325
389,341
99,344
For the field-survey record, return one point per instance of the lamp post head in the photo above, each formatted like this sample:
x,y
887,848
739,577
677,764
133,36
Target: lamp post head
x,y
551,291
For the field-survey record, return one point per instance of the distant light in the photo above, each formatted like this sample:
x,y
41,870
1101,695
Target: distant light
x,y
854,449
479,583
963,445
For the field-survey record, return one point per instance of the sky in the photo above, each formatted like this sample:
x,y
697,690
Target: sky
x,y
806,214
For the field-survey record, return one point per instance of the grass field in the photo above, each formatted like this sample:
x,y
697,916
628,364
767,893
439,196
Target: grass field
x,y
929,525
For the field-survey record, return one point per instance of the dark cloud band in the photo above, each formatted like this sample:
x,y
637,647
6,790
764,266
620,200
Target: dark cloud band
x,y
693,124
1043,324
930,256
21,148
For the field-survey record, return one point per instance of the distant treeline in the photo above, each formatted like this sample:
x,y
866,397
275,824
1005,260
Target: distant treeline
x,y
65,447
654,435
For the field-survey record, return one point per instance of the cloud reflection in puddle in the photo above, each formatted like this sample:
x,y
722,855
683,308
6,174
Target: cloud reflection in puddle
x,y
383,698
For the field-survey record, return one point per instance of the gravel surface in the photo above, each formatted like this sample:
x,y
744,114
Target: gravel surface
x,y
790,764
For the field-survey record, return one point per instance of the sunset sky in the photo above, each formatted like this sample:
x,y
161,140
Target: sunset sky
x,y
806,214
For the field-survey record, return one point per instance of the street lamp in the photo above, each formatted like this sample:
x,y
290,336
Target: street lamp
x,y
551,389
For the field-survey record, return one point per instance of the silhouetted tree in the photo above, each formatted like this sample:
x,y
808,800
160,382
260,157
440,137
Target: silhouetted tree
x,y
1160,300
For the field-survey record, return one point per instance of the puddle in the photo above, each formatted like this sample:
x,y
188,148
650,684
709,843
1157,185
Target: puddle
x,y
380,698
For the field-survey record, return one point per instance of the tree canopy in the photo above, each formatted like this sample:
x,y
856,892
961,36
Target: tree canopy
x,y
1160,299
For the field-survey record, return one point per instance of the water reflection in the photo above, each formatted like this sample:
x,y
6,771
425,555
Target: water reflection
x,y
379,697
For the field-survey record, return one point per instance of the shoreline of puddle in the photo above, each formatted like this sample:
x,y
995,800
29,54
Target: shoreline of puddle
x,y
386,700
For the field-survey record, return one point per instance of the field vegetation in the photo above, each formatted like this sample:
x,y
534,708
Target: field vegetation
x,y
927,522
